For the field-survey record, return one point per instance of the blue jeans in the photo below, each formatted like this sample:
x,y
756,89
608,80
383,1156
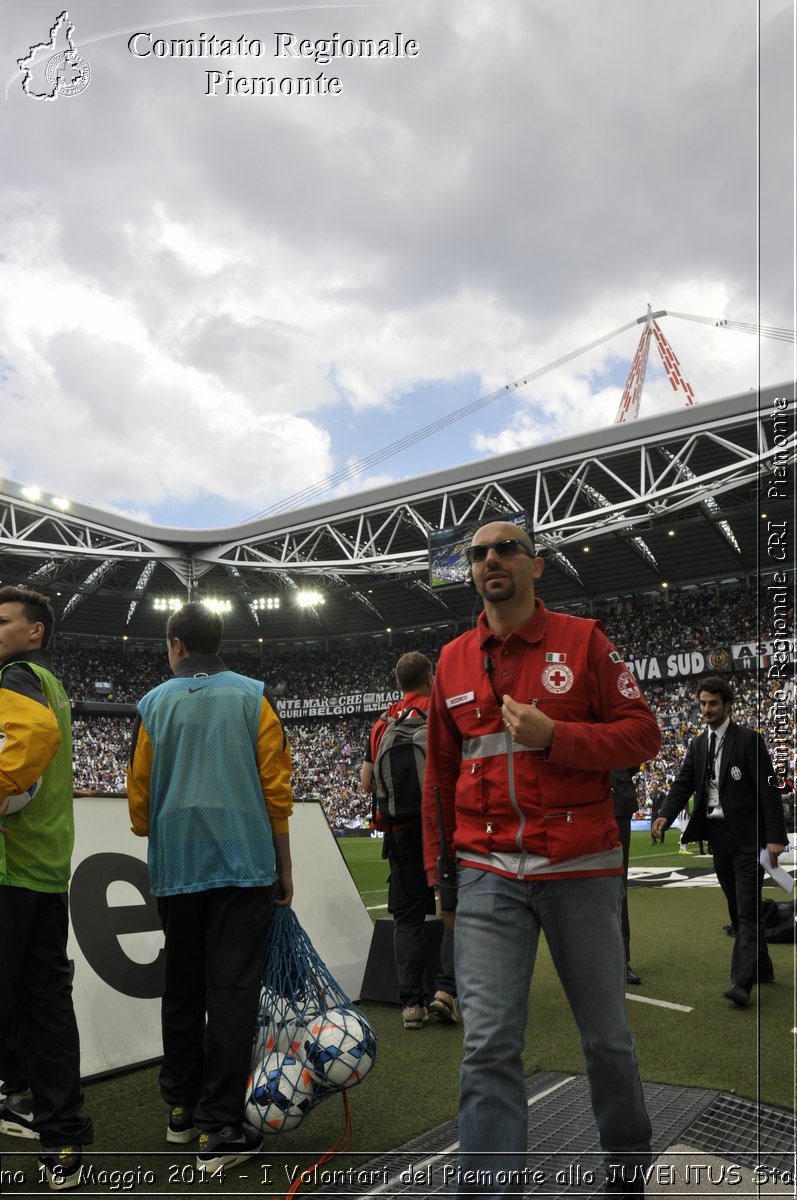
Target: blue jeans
x,y
497,932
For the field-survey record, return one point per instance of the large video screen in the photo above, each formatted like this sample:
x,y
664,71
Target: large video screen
x,y
447,562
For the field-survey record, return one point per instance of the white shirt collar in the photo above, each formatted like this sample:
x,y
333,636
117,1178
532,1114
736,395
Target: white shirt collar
x,y
720,731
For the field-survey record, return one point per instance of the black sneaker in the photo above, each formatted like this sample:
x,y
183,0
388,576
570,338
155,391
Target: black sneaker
x,y
228,1147
62,1166
181,1126
16,1117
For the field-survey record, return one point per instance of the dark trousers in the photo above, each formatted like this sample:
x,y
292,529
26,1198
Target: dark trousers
x,y
409,900
741,876
215,951
624,829
41,1046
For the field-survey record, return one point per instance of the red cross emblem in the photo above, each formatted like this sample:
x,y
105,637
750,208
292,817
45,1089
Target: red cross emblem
x,y
557,678
627,686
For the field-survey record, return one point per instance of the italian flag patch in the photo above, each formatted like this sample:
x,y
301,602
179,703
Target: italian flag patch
x,y
558,658
615,657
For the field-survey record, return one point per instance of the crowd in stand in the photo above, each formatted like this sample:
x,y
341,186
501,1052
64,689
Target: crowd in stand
x,y
327,753
100,749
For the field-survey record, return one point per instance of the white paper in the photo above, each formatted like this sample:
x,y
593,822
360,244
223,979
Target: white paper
x,y
782,878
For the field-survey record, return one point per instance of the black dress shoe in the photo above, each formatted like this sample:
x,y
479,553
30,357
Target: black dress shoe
x,y
739,995
767,977
631,975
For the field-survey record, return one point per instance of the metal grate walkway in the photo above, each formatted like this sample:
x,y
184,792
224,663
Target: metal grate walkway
x,y
564,1156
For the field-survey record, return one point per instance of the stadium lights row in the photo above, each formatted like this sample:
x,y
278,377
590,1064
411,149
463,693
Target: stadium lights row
x,y
268,603
172,603
35,494
309,599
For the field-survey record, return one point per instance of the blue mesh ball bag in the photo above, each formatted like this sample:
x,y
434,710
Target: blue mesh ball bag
x,y
310,1041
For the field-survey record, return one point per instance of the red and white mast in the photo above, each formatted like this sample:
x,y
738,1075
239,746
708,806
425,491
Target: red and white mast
x,y
629,405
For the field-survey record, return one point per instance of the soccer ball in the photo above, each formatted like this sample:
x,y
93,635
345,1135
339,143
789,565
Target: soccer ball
x,y
339,1047
279,1025
13,804
286,1036
279,1094
274,1008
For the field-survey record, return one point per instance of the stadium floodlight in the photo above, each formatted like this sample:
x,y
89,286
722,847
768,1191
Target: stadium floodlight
x,y
167,603
32,492
61,502
268,602
309,599
216,605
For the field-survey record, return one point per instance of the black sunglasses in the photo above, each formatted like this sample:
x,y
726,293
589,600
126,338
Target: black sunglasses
x,y
506,548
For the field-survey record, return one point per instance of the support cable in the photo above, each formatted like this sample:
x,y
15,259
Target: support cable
x,y
313,491
356,468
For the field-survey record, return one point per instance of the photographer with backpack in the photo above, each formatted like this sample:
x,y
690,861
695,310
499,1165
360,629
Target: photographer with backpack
x,y
393,774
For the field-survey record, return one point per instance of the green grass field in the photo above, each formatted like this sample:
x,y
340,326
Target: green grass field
x,y
679,949
683,956
370,872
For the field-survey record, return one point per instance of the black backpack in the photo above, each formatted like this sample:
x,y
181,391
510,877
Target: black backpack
x,y
399,766
779,920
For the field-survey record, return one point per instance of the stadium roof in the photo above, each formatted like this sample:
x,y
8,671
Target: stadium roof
x,y
677,499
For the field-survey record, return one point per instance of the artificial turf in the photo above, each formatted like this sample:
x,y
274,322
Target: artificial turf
x,y
679,949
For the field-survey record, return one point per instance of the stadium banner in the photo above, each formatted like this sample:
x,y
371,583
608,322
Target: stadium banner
x,y
747,656
353,704
116,941
744,656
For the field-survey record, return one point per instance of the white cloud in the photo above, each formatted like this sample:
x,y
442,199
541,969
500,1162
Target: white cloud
x,y
200,284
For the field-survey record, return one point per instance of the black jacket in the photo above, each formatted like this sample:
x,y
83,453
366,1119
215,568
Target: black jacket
x,y
624,795
750,800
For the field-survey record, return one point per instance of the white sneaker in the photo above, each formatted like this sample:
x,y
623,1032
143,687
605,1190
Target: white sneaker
x,y
16,1117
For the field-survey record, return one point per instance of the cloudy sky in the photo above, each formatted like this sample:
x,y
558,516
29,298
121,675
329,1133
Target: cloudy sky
x,y
212,302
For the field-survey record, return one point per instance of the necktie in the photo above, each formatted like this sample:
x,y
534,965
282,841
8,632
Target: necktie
x,y
712,754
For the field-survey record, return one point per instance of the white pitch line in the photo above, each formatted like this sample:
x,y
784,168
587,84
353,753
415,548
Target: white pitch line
x,y
658,1003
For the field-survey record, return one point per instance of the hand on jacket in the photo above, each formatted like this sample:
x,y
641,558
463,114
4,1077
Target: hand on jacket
x,y
527,724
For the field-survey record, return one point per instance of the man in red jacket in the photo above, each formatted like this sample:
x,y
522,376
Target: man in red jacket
x,y
410,898
530,711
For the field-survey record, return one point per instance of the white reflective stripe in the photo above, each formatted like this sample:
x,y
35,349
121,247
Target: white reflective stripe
x,y
531,866
491,744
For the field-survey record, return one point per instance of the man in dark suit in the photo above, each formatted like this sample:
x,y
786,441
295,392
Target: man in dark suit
x,y
739,809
